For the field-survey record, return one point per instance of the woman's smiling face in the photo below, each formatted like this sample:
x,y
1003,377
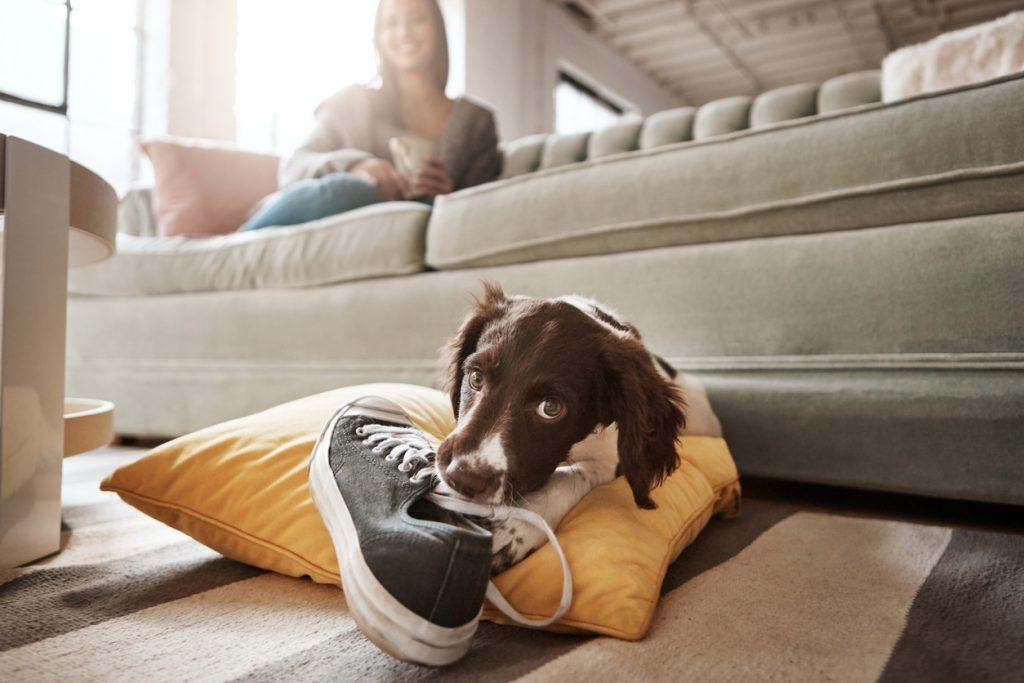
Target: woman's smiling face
x,y
407,35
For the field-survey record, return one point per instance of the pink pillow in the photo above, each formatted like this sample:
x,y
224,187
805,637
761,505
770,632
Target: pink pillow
x,y
206,188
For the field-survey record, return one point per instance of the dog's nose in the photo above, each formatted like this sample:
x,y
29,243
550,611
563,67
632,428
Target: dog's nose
x,y
470,482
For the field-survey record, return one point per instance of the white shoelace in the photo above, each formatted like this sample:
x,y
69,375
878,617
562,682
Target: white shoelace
x,y
406,443
504,512
408,447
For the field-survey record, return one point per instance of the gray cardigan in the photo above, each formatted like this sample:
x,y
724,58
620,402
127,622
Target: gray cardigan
x,y
349,129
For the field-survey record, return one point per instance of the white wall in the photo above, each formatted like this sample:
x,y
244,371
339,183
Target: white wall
x,y
515,49
503,45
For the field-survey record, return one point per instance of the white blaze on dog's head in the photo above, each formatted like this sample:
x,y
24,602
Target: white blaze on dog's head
x,y
480,474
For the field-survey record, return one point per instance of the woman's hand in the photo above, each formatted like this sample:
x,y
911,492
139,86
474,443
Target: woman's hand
x,y
432,179
382,174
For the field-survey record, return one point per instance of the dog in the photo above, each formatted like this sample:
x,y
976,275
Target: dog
x,y
552,398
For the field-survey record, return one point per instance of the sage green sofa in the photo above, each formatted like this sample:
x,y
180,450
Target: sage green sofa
x,y
845,275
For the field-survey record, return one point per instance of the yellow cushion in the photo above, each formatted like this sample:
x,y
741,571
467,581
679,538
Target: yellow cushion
x,y
240,487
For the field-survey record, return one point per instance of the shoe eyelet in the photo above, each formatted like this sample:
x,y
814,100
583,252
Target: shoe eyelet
x,y
377,450
360,431
390,457
404,467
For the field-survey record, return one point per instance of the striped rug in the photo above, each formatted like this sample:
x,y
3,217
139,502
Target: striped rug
x,y
775,594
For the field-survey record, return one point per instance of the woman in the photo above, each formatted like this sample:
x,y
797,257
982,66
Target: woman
x,y
346,163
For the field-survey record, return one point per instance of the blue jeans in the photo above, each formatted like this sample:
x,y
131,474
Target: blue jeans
x,y
308,200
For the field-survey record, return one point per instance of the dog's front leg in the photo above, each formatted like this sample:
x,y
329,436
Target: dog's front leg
x,y
592,463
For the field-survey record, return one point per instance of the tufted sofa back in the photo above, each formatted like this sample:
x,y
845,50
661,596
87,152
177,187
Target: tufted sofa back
x,y
686,124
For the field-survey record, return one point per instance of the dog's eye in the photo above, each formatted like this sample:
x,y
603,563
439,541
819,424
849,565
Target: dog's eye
x,y
551,409
476,380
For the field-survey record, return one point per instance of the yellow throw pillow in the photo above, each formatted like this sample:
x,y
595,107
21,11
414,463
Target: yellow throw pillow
x,y
240,487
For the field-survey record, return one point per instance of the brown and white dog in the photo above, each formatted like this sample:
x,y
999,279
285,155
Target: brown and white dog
x,y
554,397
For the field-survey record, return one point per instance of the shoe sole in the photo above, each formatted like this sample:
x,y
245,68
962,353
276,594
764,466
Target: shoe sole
x,y
389,624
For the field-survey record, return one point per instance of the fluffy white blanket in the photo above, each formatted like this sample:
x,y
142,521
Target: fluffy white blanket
x,y
970,55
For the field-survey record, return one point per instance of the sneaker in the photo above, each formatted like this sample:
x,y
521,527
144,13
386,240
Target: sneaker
x,y
413,582
415,566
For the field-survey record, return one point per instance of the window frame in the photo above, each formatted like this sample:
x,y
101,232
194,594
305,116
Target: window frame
x,y
565,76
61,108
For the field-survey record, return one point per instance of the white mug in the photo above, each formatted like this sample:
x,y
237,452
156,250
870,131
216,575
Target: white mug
x,y
410,153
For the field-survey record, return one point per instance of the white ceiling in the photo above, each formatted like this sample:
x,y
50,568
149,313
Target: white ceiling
x,y
707,49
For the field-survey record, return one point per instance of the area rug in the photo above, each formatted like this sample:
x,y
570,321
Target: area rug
x,y
778,593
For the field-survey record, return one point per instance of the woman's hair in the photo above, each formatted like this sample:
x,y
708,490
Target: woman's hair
x,y
386,72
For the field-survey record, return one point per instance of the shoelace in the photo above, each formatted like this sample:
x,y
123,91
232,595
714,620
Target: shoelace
x,y
502,513
408,445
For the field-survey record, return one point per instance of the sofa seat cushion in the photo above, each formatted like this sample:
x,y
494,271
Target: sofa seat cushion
x,y
932,157
376,241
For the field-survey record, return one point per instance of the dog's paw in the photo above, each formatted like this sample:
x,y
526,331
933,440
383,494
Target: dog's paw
x,y
513,541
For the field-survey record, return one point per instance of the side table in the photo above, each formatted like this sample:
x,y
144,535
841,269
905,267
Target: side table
x,y
54,213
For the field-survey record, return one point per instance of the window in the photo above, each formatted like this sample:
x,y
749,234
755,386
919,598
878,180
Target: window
x,y
33,35
69,80
33,70
290,57
579,107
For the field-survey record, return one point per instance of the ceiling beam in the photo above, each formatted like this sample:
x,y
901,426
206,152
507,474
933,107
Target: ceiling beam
x,y
675,47
737,25
647,18
697,84
605,24
884,26
623,29
816,72
683,56
727,52
645,36
851,34
967,12
768,51
609,6
722,71
628,8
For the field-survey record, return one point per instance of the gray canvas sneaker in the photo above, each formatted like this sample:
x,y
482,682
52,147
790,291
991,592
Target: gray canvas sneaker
x,y
413,580
414,564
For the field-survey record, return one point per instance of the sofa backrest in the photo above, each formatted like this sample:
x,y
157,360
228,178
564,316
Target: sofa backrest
x,y
673,126
669,127
135,212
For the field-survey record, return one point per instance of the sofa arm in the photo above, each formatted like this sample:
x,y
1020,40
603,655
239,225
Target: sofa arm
x,y
135,212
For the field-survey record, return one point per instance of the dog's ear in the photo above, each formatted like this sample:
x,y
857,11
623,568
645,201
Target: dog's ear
x,y
488,308
648,410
